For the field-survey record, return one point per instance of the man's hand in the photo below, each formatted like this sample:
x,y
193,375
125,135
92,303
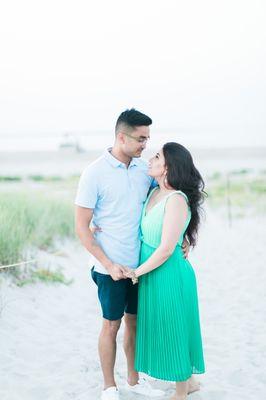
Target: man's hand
x,y
185,248
117,272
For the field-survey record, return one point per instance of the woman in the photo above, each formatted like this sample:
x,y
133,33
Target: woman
x,y
168,343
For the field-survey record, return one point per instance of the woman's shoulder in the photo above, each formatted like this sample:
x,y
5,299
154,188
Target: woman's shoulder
x,y
178,195
177,202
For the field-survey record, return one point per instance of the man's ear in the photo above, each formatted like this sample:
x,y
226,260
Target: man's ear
x,y
120,137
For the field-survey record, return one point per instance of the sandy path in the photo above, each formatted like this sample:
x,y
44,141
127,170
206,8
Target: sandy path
x,y
48,333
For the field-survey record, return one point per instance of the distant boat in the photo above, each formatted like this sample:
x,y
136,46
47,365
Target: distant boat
x,y
70,142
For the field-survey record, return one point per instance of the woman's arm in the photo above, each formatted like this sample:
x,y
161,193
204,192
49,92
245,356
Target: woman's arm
x,y
176,211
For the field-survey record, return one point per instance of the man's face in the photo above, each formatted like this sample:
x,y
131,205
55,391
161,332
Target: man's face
x,y
134,142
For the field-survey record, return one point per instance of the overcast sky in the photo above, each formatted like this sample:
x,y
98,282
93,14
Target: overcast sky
x,y
75,65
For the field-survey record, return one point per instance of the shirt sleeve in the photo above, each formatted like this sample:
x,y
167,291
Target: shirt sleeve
x,y
87,193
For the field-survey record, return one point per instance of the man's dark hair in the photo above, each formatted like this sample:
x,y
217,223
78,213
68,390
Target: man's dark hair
x,y
130,119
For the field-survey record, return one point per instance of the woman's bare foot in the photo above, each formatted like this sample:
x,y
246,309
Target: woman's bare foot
x,y
175,397
181,390
193,385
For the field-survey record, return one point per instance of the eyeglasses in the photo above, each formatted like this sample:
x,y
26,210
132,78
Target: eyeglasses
x,y
139,139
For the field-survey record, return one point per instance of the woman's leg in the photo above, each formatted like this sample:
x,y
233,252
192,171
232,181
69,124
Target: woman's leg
x,y
193,385
181,391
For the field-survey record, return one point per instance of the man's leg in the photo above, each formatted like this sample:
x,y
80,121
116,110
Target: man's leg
x,y
141,387
112,298
129,347
107,350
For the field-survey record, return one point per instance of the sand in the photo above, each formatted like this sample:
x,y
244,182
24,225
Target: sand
x,y
68,162
48,333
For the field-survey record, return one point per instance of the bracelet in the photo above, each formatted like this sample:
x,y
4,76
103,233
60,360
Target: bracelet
x,y
134,278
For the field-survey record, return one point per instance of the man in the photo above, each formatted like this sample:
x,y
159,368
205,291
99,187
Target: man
x,y
111,194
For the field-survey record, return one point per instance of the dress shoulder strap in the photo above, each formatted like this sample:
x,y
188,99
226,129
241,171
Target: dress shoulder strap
x,y
151,191
179,192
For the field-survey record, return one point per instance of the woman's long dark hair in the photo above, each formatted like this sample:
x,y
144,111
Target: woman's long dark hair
x,y
183,175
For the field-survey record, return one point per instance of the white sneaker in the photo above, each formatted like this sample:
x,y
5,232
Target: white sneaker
x,y
110,393
143,387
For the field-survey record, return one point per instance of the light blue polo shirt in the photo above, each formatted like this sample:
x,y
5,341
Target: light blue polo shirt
x,y
117,194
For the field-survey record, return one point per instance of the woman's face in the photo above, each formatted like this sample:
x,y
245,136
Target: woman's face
x,y
157,167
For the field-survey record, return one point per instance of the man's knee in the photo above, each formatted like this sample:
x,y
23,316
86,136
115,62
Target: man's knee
x,y
110,328
130,321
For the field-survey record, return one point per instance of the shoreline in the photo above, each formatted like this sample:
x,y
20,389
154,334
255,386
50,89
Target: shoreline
x,y
67,162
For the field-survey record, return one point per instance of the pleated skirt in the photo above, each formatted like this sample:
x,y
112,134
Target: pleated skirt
x,y
168,341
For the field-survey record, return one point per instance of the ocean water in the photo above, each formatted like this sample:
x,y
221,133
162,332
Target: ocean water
x,y
91,141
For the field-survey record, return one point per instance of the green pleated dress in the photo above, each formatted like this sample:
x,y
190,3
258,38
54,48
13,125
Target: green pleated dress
x,y
168,342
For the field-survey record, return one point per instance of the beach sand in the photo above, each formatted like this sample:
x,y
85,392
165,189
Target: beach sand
x,y
68,162
48,333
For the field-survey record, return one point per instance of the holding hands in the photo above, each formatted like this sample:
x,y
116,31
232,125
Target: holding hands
x,y
118,272
130,273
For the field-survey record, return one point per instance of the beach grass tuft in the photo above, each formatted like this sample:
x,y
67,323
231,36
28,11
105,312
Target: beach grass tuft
x,y
10,178
243,190
32,219
44,275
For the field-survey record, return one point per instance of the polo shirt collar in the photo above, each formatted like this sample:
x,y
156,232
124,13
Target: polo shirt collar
x,y
133,162
115,162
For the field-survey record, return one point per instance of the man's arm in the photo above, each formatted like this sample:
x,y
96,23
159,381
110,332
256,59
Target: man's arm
x,y
185,247
83,219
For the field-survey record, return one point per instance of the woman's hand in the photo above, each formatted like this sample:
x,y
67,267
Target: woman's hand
x,y
94,229
130,273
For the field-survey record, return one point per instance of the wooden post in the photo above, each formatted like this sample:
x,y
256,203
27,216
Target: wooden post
x,y
229,208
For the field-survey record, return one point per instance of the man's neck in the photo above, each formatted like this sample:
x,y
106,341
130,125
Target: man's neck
x,y
116,152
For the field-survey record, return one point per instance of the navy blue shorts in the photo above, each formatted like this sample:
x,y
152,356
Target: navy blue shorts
x,y
116,297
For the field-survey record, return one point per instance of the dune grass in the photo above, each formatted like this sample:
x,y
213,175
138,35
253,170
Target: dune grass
x,y
31,220
44,275
10,178
36,218
242,190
